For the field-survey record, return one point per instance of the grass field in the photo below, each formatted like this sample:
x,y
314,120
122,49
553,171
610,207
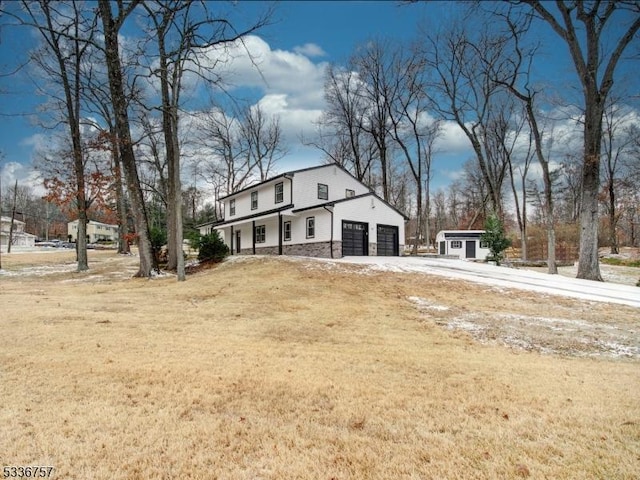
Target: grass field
x,y
267,368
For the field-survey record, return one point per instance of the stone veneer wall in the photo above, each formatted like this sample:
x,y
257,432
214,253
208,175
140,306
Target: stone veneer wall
x,y
318,249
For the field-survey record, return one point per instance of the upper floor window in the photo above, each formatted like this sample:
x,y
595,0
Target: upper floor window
x,y
232,207
323,191
350,193
279,192
254,200
311,227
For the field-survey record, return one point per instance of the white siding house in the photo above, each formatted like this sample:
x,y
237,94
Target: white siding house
x,y
466,244
321,211
20,238
96,231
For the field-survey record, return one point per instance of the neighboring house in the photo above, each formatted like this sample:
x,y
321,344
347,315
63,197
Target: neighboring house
x,y
321,211
465,244
20,238
96,232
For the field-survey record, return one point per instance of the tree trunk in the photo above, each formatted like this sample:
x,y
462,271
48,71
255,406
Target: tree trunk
x,y
613,238
588,264
118,98
121,207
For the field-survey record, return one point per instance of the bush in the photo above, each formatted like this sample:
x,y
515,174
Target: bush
x,y
212,248
495,238
158,239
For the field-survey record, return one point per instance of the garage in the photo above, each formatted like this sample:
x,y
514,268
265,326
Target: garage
x,y
354,238
388,241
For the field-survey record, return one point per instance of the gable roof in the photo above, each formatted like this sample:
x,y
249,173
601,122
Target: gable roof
x,y
348,199
289,174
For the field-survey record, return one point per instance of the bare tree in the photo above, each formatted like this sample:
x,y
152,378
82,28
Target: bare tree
x,y
67,31
587,30
112,24
348,144
263,139
616,142
97,101
241,146
411,128
515,74
522,169
227,168
463,90
374,64
184,31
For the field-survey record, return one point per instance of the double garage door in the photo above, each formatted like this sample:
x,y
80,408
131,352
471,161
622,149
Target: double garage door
x,y
355,239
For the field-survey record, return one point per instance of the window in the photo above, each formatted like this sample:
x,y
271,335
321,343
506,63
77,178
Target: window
x,y
254,200
260,234
311,227
456,244
279,192
484,244
323,191
232,207
287,231
350,193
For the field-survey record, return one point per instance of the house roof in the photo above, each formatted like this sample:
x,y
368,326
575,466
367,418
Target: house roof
x,y
4,219
460,234
247,217
291,174
288,174
93,222
347,199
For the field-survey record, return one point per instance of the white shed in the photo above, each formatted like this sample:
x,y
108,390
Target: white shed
x,y
465,244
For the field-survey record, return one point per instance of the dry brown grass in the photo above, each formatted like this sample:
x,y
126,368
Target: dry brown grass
x,y
273,369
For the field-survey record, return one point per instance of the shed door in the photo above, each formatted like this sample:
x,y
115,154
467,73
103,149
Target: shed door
x,y
442,248
355,238
387,239
470,249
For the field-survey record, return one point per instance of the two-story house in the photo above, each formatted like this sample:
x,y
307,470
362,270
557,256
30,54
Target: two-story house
x,y
320,211
19,237
96,231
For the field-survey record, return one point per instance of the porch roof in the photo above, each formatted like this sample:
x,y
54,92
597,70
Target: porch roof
x,y
259,215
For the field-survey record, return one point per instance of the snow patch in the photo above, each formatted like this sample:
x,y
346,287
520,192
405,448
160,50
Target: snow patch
x,y
424,304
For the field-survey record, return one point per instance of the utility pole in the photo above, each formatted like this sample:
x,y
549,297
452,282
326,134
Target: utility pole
x,y
0,218
13,217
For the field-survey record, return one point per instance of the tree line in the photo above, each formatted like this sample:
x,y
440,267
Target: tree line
x,y
131,139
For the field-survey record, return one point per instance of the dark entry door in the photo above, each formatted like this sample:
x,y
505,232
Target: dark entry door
x,y
387,239
238,242
470,249
355,239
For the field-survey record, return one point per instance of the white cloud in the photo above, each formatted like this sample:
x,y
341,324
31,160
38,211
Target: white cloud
x,y
452,140
254,64
25,175
310,50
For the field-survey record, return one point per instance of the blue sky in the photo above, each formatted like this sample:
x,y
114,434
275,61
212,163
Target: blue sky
x,y
293,53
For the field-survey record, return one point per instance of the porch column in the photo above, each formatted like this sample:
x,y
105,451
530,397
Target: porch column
x,y
279,233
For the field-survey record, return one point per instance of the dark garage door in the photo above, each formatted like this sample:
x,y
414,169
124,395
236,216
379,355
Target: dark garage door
x,y
387,241
354,238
